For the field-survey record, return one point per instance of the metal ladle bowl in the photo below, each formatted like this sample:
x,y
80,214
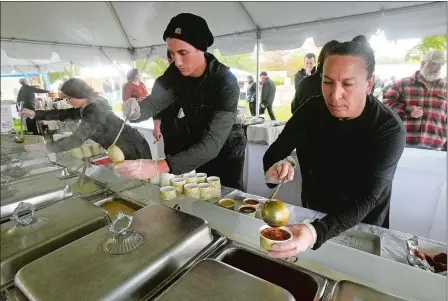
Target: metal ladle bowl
x,y
275,213
114,152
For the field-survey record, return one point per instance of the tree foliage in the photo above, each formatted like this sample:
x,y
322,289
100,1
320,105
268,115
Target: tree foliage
x,y
154,69
415,54
54,76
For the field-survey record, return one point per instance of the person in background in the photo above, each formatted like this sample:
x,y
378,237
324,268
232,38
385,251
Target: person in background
x,y
27,100
267,95
134,87
98,123
421,102
310,68
251,94
108,90
199,99
348,145
311,85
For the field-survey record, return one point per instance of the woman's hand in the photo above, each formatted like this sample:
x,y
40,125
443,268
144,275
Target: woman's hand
x,y
304,237
279,171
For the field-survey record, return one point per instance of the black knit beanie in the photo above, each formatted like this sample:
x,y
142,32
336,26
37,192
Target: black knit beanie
x,y
191,29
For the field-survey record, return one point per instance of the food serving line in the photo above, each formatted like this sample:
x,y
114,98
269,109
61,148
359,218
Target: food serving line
x,y
70,246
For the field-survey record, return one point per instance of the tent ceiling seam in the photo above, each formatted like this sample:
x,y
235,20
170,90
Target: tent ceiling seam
x,y
381,12
120,25
248,15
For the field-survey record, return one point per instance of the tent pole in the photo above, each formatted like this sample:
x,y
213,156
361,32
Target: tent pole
x,y
257,76
73,69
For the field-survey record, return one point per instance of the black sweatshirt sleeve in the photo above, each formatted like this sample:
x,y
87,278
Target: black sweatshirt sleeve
x,y
160,99
383,164
61,115
38,90
215,135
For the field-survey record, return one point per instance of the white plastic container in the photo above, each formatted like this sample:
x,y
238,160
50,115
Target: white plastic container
x,y
87,150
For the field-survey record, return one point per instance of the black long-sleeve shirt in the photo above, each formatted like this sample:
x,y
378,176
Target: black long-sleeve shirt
x,y
100,124
28,97
347,166
209,105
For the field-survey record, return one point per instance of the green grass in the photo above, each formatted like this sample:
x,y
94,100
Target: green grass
x,y
282,113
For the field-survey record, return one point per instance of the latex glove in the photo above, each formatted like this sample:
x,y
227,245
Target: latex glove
x,y
262,105
132,108
280,170
137,169
304,237
38,147
27,113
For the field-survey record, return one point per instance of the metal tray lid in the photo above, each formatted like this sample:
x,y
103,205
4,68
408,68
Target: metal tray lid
x,y
35,234
39,192
347,290
212,280
170,239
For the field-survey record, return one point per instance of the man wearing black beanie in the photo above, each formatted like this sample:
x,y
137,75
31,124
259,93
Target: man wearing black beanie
x,y
198,97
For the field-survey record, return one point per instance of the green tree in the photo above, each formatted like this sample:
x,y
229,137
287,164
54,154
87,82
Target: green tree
x,y
54,76
154,68
427,44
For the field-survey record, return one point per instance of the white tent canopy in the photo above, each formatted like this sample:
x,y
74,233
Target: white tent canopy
x,y
123,31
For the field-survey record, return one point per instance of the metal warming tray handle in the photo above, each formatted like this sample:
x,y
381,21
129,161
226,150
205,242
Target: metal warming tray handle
x,y
32,234
159,242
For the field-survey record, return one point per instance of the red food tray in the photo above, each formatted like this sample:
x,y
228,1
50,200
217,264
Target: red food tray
x,y
104,161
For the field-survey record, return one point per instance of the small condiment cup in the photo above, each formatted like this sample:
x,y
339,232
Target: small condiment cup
x,y
227,203
205,191
202,177
190,178
165,179
252,202
247,210
167,193
192,190
178,183
267,243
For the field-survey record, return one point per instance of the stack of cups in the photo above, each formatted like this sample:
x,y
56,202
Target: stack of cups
x,y
215,185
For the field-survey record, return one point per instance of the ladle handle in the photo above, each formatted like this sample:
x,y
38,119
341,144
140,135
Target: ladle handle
x,y
122,127
277,189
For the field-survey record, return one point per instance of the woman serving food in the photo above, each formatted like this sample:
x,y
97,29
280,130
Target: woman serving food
x,y
98,123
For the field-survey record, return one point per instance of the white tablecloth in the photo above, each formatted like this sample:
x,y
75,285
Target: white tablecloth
x,y
418,203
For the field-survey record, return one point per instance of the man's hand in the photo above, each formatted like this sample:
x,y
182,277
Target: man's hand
x,y
157,133
307,72
27,113
280,170
304,237
417,112
131,108
141,169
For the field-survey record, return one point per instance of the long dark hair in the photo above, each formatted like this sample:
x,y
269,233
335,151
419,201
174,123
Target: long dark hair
x,y
358,47
77,88
132,74
323,54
